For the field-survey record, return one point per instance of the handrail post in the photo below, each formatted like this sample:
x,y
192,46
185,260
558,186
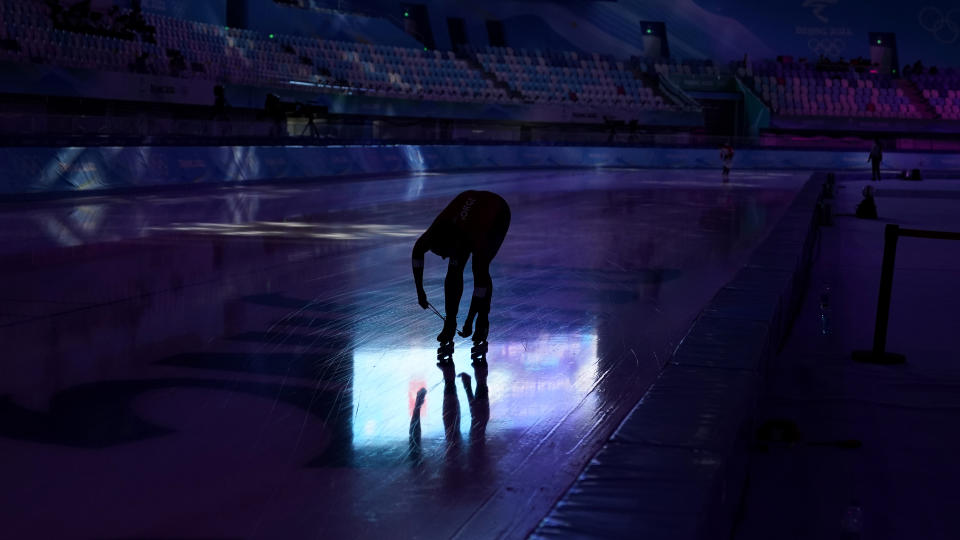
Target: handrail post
x,y
890,236
879,354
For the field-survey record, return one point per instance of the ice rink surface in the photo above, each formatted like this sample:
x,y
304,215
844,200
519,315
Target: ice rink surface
x,y
251,362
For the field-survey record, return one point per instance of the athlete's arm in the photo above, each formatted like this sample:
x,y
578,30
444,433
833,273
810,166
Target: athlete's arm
x,y
482,290
419,250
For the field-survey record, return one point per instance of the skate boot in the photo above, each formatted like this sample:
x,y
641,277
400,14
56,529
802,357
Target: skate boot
x,y
478,353
448,332
445,354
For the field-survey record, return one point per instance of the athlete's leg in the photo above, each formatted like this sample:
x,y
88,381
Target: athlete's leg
x,y
482,295
481,273
452,291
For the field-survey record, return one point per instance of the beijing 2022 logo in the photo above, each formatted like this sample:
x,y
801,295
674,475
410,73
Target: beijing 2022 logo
x,y
944,26
817,8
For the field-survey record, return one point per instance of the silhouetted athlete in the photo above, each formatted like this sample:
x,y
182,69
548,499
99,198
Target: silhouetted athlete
x,y
476,223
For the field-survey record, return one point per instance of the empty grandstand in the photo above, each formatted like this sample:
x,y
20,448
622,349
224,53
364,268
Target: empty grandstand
x,y
802,89
191,49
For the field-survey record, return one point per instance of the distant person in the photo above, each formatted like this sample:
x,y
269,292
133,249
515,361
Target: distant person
x,y
474,223
220,103
613,129
274,111
867,209
177,63
726,155
140,64
875,158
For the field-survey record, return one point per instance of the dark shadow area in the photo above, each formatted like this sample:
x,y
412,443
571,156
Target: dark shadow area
x,y
101,415
325,342
328,367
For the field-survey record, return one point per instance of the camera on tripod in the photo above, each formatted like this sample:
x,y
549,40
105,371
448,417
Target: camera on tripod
x,y
279,111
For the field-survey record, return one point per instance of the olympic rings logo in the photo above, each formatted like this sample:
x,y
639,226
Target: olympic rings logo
x,y
831,47
943,26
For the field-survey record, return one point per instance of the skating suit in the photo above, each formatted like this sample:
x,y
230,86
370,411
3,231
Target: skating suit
x,y
475,222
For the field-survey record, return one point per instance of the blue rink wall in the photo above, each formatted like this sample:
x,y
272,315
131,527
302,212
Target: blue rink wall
x,y
82,169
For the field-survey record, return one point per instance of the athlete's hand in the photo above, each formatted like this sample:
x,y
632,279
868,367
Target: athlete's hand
x,y
422,299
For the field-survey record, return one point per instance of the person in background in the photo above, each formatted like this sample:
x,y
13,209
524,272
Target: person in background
x,y
220,103
867,209
875,158
726,155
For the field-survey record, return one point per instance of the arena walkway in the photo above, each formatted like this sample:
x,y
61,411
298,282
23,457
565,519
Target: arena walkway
x,y
250,362
901,483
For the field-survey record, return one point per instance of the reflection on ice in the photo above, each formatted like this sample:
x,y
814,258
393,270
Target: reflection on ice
x,y
59,233
88,217
290,229
529,381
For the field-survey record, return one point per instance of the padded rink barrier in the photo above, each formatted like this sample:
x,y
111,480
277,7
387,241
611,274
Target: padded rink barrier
x,y
676,467
59,171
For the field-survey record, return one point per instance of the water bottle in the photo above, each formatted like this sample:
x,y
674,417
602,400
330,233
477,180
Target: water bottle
x,y
852,521
825,312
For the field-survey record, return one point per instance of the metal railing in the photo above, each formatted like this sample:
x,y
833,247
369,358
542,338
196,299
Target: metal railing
x,y
879,354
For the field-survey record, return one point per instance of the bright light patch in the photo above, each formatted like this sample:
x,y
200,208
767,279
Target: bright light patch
x,y
529,382
414,158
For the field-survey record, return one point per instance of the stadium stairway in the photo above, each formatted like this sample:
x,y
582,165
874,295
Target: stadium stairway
x,y
911,92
